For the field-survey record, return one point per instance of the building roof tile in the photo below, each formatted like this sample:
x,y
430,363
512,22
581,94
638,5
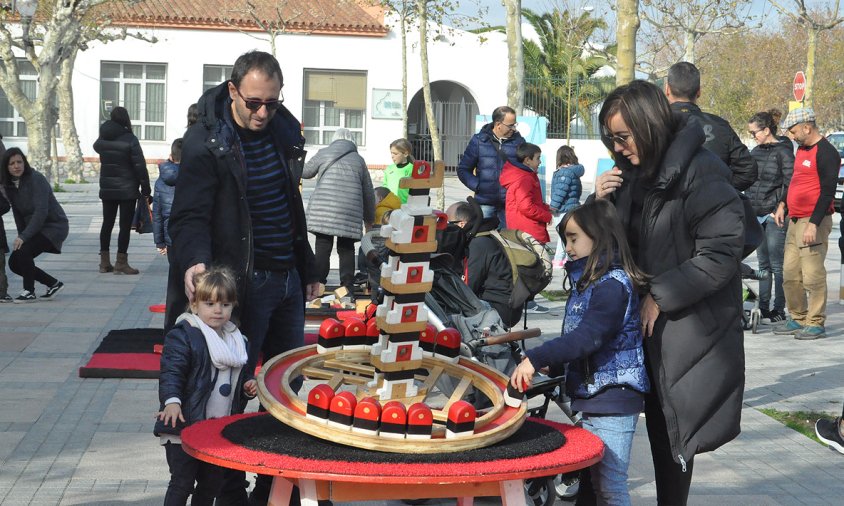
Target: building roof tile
x,y
339,17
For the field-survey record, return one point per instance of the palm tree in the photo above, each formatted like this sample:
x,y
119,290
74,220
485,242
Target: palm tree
x,y
560,69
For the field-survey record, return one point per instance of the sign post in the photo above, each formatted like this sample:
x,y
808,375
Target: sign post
x,y
799,86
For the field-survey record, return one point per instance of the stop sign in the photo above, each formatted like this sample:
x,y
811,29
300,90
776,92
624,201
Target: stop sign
x,y
799,86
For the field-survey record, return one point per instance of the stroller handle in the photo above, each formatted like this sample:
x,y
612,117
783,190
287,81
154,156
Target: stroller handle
x,y
517,335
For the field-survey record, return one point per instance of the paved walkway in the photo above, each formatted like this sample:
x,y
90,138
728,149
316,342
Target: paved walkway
x,y
66,440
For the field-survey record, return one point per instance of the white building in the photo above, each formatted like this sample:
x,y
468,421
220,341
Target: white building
x,y
341,63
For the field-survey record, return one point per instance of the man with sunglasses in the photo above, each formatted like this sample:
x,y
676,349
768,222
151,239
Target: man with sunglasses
x,y
682,88
485,156
237,204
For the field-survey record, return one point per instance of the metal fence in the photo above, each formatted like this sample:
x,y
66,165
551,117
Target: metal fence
x,y
572,111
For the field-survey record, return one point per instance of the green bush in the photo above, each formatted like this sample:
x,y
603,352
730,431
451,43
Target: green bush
x,y
57,188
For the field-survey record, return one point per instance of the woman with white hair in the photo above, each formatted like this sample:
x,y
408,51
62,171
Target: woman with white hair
x,y
342,201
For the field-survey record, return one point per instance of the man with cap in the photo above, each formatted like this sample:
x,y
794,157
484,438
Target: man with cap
x,y
809,207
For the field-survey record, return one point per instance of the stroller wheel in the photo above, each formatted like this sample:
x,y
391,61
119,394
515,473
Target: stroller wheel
x,y
540,491
567,485
755,316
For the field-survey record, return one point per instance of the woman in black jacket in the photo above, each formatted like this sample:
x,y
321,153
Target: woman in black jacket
x,y
41,223
123,170
685,224
775,159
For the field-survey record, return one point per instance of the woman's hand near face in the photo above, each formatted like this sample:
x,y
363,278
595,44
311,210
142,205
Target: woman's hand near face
x,y
608,182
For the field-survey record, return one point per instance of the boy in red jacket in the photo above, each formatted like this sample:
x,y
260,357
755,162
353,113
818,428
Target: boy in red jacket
x,y
524,207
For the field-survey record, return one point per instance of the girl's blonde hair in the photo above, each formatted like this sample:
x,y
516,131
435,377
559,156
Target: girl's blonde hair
x,y
215,284
404,146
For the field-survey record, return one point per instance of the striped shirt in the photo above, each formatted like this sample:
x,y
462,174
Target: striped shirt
x,y
269,209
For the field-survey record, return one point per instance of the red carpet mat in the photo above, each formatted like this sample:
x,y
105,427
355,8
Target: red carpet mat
x,y
133,353
126,353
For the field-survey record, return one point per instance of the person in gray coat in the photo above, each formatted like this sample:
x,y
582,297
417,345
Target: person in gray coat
x,y
41,222
341,202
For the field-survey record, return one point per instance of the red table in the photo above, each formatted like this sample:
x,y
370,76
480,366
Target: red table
x,y
324,479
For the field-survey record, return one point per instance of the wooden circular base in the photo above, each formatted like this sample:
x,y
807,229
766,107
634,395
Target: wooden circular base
x,y
353,369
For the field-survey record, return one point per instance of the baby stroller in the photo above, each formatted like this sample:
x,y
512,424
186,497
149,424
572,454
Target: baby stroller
x,y
751,315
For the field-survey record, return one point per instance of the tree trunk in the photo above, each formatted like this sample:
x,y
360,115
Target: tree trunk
x,y
689,47
808,97
422,7
39,124
70,138
515,56
404,70
628,25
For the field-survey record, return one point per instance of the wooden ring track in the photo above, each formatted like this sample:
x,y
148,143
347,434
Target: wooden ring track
x,y
351,367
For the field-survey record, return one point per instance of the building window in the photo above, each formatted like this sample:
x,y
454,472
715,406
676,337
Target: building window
x,y
212,75
11,122
333,99
142,89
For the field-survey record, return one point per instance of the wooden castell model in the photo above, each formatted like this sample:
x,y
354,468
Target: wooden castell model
x,y
377,373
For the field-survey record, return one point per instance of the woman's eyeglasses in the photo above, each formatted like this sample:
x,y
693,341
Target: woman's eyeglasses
x,y
620,139
753,133
255,105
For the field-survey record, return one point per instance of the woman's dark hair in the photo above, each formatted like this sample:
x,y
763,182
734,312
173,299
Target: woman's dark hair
x,y
193,114
764,119
599,220
647,114
121,116
255,60
566,156
5,177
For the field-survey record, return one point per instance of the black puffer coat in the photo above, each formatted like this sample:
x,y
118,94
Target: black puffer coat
x,y
123,168
690,241
775,162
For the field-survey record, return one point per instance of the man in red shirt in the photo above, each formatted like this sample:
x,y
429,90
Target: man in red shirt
x,y
809,207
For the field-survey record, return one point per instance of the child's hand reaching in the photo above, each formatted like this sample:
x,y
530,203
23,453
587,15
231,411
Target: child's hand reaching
x,y
171,413
523,375
251,388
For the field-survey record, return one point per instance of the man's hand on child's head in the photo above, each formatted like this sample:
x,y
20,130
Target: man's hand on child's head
x,y
171,413
251,388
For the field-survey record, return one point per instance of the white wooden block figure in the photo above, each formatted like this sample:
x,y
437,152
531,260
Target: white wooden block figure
x,y
412,272
405,313
390,266
400,228
418,203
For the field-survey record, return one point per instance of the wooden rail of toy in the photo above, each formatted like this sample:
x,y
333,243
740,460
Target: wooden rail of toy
x,y
517,335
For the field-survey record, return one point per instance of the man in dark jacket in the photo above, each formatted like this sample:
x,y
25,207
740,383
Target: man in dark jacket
x,y
682,87
237,204
484,158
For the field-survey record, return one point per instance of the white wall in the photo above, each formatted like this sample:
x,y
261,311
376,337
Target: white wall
x,y
480,68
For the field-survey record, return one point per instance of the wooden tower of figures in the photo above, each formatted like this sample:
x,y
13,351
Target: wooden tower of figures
x,y
406,277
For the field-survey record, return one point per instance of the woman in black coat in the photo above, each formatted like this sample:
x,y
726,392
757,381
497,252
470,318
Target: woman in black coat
x,y
685,223
41,223
123,171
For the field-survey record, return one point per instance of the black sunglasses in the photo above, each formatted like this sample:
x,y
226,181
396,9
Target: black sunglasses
x,y
255,105
621,139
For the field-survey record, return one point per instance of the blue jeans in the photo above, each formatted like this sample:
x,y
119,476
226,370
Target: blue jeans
x,y
770,254
273,317
609,476
490,211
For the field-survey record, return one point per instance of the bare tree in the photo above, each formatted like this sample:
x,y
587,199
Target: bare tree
x,y
628,24
516,60
284,15
692,20
816,21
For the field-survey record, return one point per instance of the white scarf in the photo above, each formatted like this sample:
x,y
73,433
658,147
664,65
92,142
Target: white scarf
x,y
228,350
